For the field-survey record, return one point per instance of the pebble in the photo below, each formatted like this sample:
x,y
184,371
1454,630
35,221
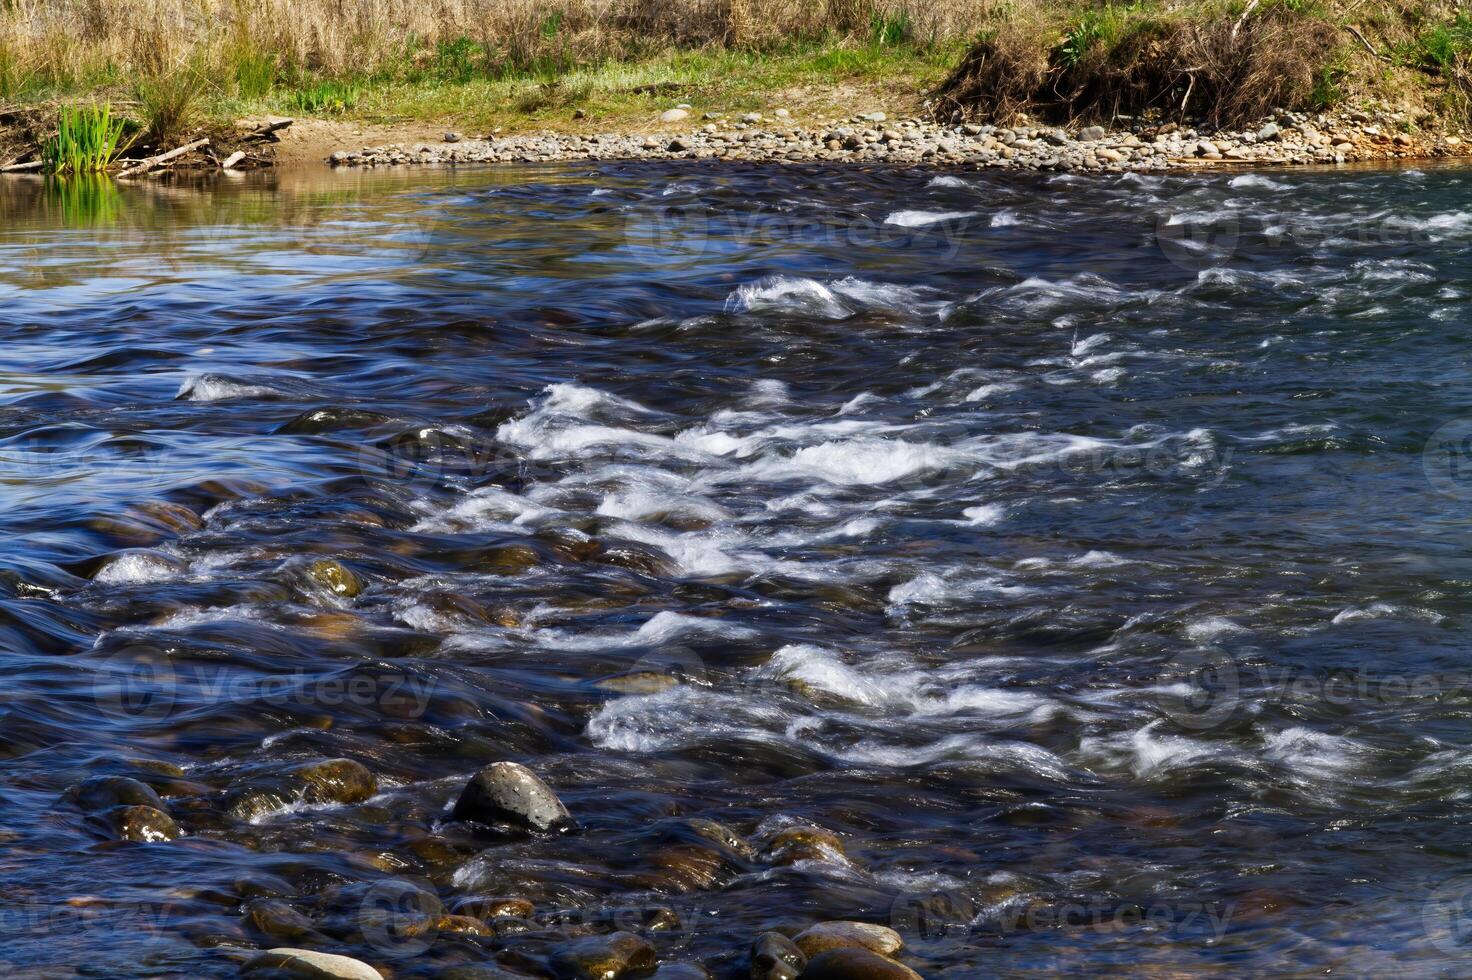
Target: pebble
x,y
674,115
842,935
855,964
143,824
1286,138
602,957
508,792
311,964
775,957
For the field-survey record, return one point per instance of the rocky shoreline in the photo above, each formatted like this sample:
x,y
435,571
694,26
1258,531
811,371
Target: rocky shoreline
x,y
1288,138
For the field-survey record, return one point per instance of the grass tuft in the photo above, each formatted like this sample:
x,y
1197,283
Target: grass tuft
x,y
88,138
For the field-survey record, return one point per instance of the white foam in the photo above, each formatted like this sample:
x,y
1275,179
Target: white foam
x,y
921,219
1256,182
213,388
662,627
834,300
1211,628
138,567
984,515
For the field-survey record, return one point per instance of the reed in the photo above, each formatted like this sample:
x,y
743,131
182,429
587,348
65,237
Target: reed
x,y
88,138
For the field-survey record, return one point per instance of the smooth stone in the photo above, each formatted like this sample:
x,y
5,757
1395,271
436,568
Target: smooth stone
x,y
143,824
335,781
105,792
335,577
1090,134
805,844
602,957
775,957
842,935
312,964
855,964
477,971
510,792
452,137
494,907
674,115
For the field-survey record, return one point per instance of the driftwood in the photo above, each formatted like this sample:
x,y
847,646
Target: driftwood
x,y
233,159
269,130
153,161
16,168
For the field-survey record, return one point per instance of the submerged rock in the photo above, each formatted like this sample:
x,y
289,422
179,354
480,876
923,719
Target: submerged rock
x,y
602,957
855,964
144,824
842,935
335,577
775,957
327,781
805,844
311,964
105,792
508,792
486,908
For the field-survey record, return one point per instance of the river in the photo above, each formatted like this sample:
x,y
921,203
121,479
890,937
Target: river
x,y
1074,568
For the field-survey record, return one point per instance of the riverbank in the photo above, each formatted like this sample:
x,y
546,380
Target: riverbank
x,y
1286,138
577,80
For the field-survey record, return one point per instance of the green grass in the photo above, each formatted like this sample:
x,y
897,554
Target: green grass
x,y
1441,47
455,82
88,138
324,98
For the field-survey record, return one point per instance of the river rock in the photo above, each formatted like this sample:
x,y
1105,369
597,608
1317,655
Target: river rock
x,y
674,115
311,964
855,964
327,781
1091,134
486,907
775,957
478,971
335,577
335,781
508,792
602,957
842,935
805,844
144,824
105,792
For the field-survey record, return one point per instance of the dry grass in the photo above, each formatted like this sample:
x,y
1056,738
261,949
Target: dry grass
x,y
1069,59
67,43
1225,62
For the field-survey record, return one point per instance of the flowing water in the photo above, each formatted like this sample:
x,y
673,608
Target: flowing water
x,y
1088,556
